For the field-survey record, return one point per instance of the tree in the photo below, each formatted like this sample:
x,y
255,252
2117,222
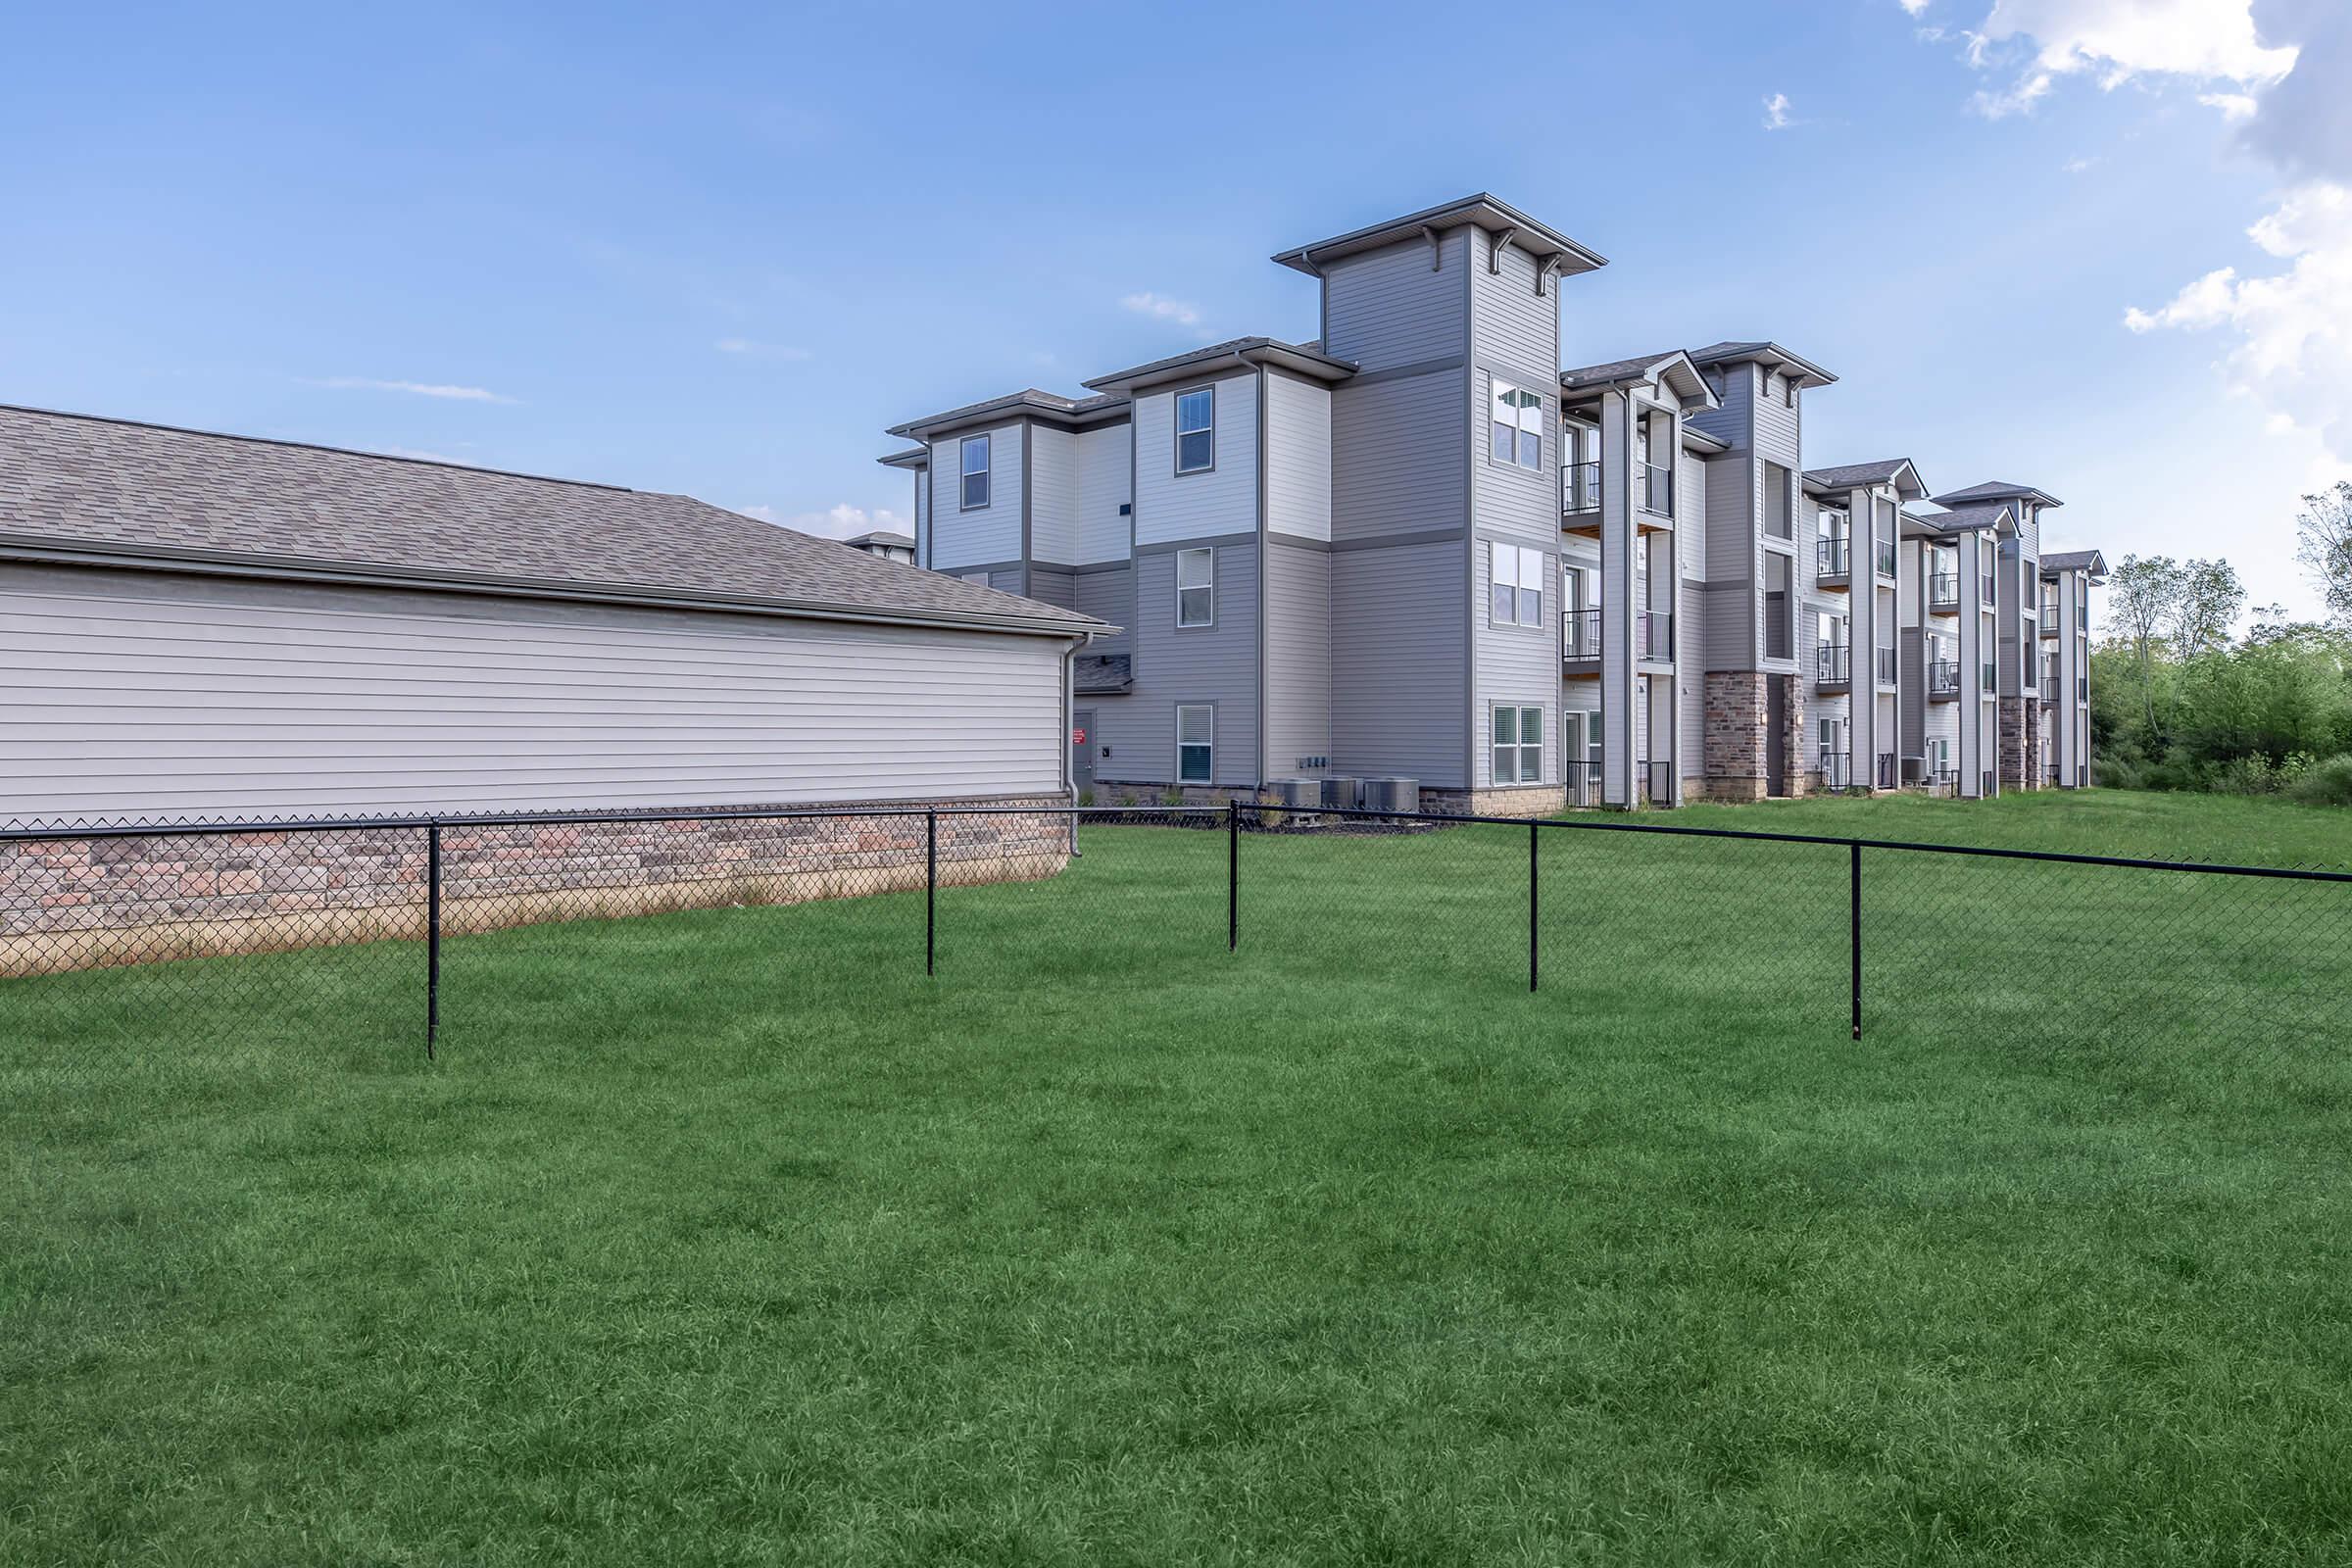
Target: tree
x,y
2141,596
2324,545
2205,607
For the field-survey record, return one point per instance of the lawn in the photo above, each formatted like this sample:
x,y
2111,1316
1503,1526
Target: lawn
x,y
729,1237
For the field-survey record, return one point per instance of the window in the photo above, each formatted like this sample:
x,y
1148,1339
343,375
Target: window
x,y
976,472
980,578
1518,426
1196,430
1195,587
1518,745
1515,584
1196,743
1780,606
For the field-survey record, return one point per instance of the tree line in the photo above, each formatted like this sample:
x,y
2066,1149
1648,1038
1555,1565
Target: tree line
x,y
2180,703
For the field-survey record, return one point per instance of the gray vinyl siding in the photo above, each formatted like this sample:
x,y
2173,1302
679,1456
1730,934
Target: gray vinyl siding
x,y
1196,665
1733,595
1298,457
1053,587
1106,484
1511,326
988,533
1221,500
1108,596
1779,432
1053,495
1396,652
1400,453
144,695
1690,612
1516,664
1297,658
1511,499
1387,308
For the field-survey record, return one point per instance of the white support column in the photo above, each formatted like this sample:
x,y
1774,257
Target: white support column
x,y
1617,602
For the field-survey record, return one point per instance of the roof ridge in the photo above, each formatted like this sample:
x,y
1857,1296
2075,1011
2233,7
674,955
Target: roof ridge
x,y
317,446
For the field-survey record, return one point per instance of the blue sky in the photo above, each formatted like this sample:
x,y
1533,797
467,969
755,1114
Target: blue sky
x,y
718,249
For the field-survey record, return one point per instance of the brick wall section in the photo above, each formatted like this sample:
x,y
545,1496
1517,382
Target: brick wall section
x,y
2013,744
76,904
1792,736
1735,734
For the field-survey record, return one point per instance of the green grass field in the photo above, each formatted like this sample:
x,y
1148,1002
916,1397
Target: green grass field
x,y
728,1237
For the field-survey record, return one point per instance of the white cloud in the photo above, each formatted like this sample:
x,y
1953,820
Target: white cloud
x,y
1163,309
2117,40
2294,351
843,521
2081,166
746,348
422,389
1914,7
1776,112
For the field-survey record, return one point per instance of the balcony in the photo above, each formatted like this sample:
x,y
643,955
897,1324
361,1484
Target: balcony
x,y
1580,489
1656,780
2049,620
1944,782
1832,561
1832,667
2049,688
1883,666
1653,637
1943,594
1580,637
1944,681
1834,770
1653,489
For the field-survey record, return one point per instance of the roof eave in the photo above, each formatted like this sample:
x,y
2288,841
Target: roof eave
x,y
1539,239
1320,367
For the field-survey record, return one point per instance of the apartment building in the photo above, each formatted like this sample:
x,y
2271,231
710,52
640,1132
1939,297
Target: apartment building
x,y
1411,545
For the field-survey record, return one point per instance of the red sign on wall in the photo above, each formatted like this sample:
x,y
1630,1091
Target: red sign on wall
x,y
1078,735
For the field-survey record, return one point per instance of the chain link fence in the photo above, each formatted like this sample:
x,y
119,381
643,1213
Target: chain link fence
x,y
125,942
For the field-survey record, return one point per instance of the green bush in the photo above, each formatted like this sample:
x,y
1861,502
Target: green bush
x,y
2327,783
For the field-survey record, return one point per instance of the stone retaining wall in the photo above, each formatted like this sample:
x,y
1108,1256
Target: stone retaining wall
x,y
78,904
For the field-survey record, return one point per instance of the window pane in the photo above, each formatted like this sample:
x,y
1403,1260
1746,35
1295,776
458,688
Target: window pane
x,y
1531,765
1195,451
975,453
1195,568
1531,450
1194,410
1506,726
1531,568
975,490
1193,724
1504,610
1193,606
1504,437
1531,726
1192,764
1531,607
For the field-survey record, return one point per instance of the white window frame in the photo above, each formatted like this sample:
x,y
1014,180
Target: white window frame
x,y
1527,445
1516,760
1205,558
1515,588
985,474
1207,748
1176,420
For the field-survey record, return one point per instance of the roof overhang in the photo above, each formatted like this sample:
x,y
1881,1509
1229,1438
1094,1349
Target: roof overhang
x,y
1185,366
1983,495
1898,471
1031,404
2090,562
1696,440
1677,374
1995,520
1546,245
294,568
911,458
1768,354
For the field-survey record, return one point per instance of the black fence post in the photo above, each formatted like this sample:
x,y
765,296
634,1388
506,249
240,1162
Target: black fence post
x,y
432,936
1232,873
930,890
1531,904
1855,850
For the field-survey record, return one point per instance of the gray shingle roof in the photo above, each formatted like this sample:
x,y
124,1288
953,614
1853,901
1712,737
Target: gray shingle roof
x,y
2091,560
1221,350
1853,473
118,488
1614,369
1961,519
1998,490
884,536
1733,351
1029,398
1096,673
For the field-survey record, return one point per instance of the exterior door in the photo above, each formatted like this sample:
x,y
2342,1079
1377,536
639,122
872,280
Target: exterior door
x,y
1775,736
1082,749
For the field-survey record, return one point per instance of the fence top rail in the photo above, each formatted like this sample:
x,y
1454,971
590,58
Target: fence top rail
x,y
236,829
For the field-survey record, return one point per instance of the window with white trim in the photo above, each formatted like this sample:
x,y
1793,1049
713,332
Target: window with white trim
x,y
1515,583
1196,743
972,455
1518,745
1196,430
1197,587
1518,426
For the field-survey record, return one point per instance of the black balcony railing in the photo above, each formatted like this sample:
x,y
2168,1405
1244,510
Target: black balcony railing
x,y
1654,636
1943,591
1836,769
1944,678
1830,556
1656,780
1883,666
1580,488
1580,634
2049,688
1833,664
2049,620
1654,489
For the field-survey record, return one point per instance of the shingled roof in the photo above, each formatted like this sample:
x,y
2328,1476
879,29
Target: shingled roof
x,y
1998,490
1847,475
82,488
